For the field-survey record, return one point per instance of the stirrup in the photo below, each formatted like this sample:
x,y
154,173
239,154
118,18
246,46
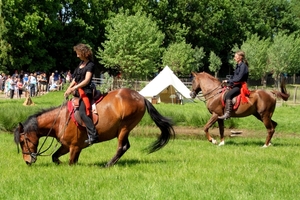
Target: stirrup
x,y
92,140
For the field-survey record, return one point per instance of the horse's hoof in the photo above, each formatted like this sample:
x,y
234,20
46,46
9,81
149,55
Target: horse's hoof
x,y
265,146
213,141
56,161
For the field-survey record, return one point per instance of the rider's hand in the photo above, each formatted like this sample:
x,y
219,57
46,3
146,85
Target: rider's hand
x,y
224,83
66,94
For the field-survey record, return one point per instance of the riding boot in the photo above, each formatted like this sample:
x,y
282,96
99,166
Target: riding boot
x,y
91,131
92,137
228,108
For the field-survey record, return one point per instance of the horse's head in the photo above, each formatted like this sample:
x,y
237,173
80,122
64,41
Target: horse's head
x,y
28,141
196,87
204,82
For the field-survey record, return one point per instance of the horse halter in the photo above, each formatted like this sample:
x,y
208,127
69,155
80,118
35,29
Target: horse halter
x,y
39,152
32,154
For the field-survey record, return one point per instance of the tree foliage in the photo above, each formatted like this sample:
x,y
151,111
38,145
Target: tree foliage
x,y
39,35
133,45
215,63
283,55
4,46
256,50
180,58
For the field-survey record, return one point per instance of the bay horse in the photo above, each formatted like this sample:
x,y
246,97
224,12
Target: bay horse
x,y
119,112
261,104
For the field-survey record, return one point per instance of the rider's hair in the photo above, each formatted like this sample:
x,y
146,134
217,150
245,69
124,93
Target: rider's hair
x,y
84,50
242,53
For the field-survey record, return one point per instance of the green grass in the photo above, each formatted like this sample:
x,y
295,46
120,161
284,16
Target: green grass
x,y
184,169
189,167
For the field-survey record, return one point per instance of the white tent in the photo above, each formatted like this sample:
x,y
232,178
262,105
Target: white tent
x,y
166,87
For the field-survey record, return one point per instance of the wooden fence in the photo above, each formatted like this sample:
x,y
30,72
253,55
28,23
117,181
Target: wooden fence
x,y
139,85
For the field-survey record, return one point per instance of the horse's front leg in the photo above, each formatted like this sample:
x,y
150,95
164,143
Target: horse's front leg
x,y
210,122
74,154
60,152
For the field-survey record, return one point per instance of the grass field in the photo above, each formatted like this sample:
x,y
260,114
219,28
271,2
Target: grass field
x,y
189,167
184,169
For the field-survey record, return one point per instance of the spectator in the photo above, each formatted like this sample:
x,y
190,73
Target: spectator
x,y
12,86
1,83
32,85
69,77
7,86
43,83
20,87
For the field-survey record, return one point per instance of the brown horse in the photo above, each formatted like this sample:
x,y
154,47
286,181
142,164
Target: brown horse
x,y
261,104
119,112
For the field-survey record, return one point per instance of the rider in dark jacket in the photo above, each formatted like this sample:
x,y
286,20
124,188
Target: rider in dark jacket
x,y
237,82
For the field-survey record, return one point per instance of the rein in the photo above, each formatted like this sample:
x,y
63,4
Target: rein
x,y
208,93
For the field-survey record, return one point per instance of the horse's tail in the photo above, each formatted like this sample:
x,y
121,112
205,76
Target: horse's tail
x,y
283,93
164,124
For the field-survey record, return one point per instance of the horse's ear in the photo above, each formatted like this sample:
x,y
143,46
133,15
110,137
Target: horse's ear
x,y
194,74
21,127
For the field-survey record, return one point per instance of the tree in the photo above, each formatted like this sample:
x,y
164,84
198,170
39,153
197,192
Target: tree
x,y
256,54
199,55
215,63
283,55
180,58
30,30
5,59
133,45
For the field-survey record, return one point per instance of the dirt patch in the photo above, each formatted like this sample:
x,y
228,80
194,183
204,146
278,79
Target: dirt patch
x,y
214,132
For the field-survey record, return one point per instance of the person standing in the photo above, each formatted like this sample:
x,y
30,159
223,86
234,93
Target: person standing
x,y
82,82
12,86
7,86
32,84
43,82
237,83
20,87
1,83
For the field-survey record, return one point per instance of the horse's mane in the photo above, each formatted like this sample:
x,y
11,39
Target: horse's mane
x,y
212,78
31,124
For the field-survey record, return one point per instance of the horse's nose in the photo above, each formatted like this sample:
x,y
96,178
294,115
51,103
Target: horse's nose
x,y
28,163
192,94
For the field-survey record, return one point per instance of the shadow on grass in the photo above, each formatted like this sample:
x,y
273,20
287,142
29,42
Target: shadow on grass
x,y
244,143
261,143
127,162
120,163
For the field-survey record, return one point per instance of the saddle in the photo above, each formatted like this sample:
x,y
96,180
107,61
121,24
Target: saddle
x,y
236,101
73,106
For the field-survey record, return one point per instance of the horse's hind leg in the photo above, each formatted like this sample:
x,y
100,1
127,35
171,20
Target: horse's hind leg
x,y
270,126
123,146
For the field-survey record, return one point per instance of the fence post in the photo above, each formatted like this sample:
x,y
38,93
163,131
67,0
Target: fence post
x,y
295,95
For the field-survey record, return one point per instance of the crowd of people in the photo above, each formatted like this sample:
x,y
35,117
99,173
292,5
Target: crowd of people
x,y
32,84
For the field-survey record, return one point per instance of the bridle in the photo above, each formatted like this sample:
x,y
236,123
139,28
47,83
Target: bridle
x,y
39,151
